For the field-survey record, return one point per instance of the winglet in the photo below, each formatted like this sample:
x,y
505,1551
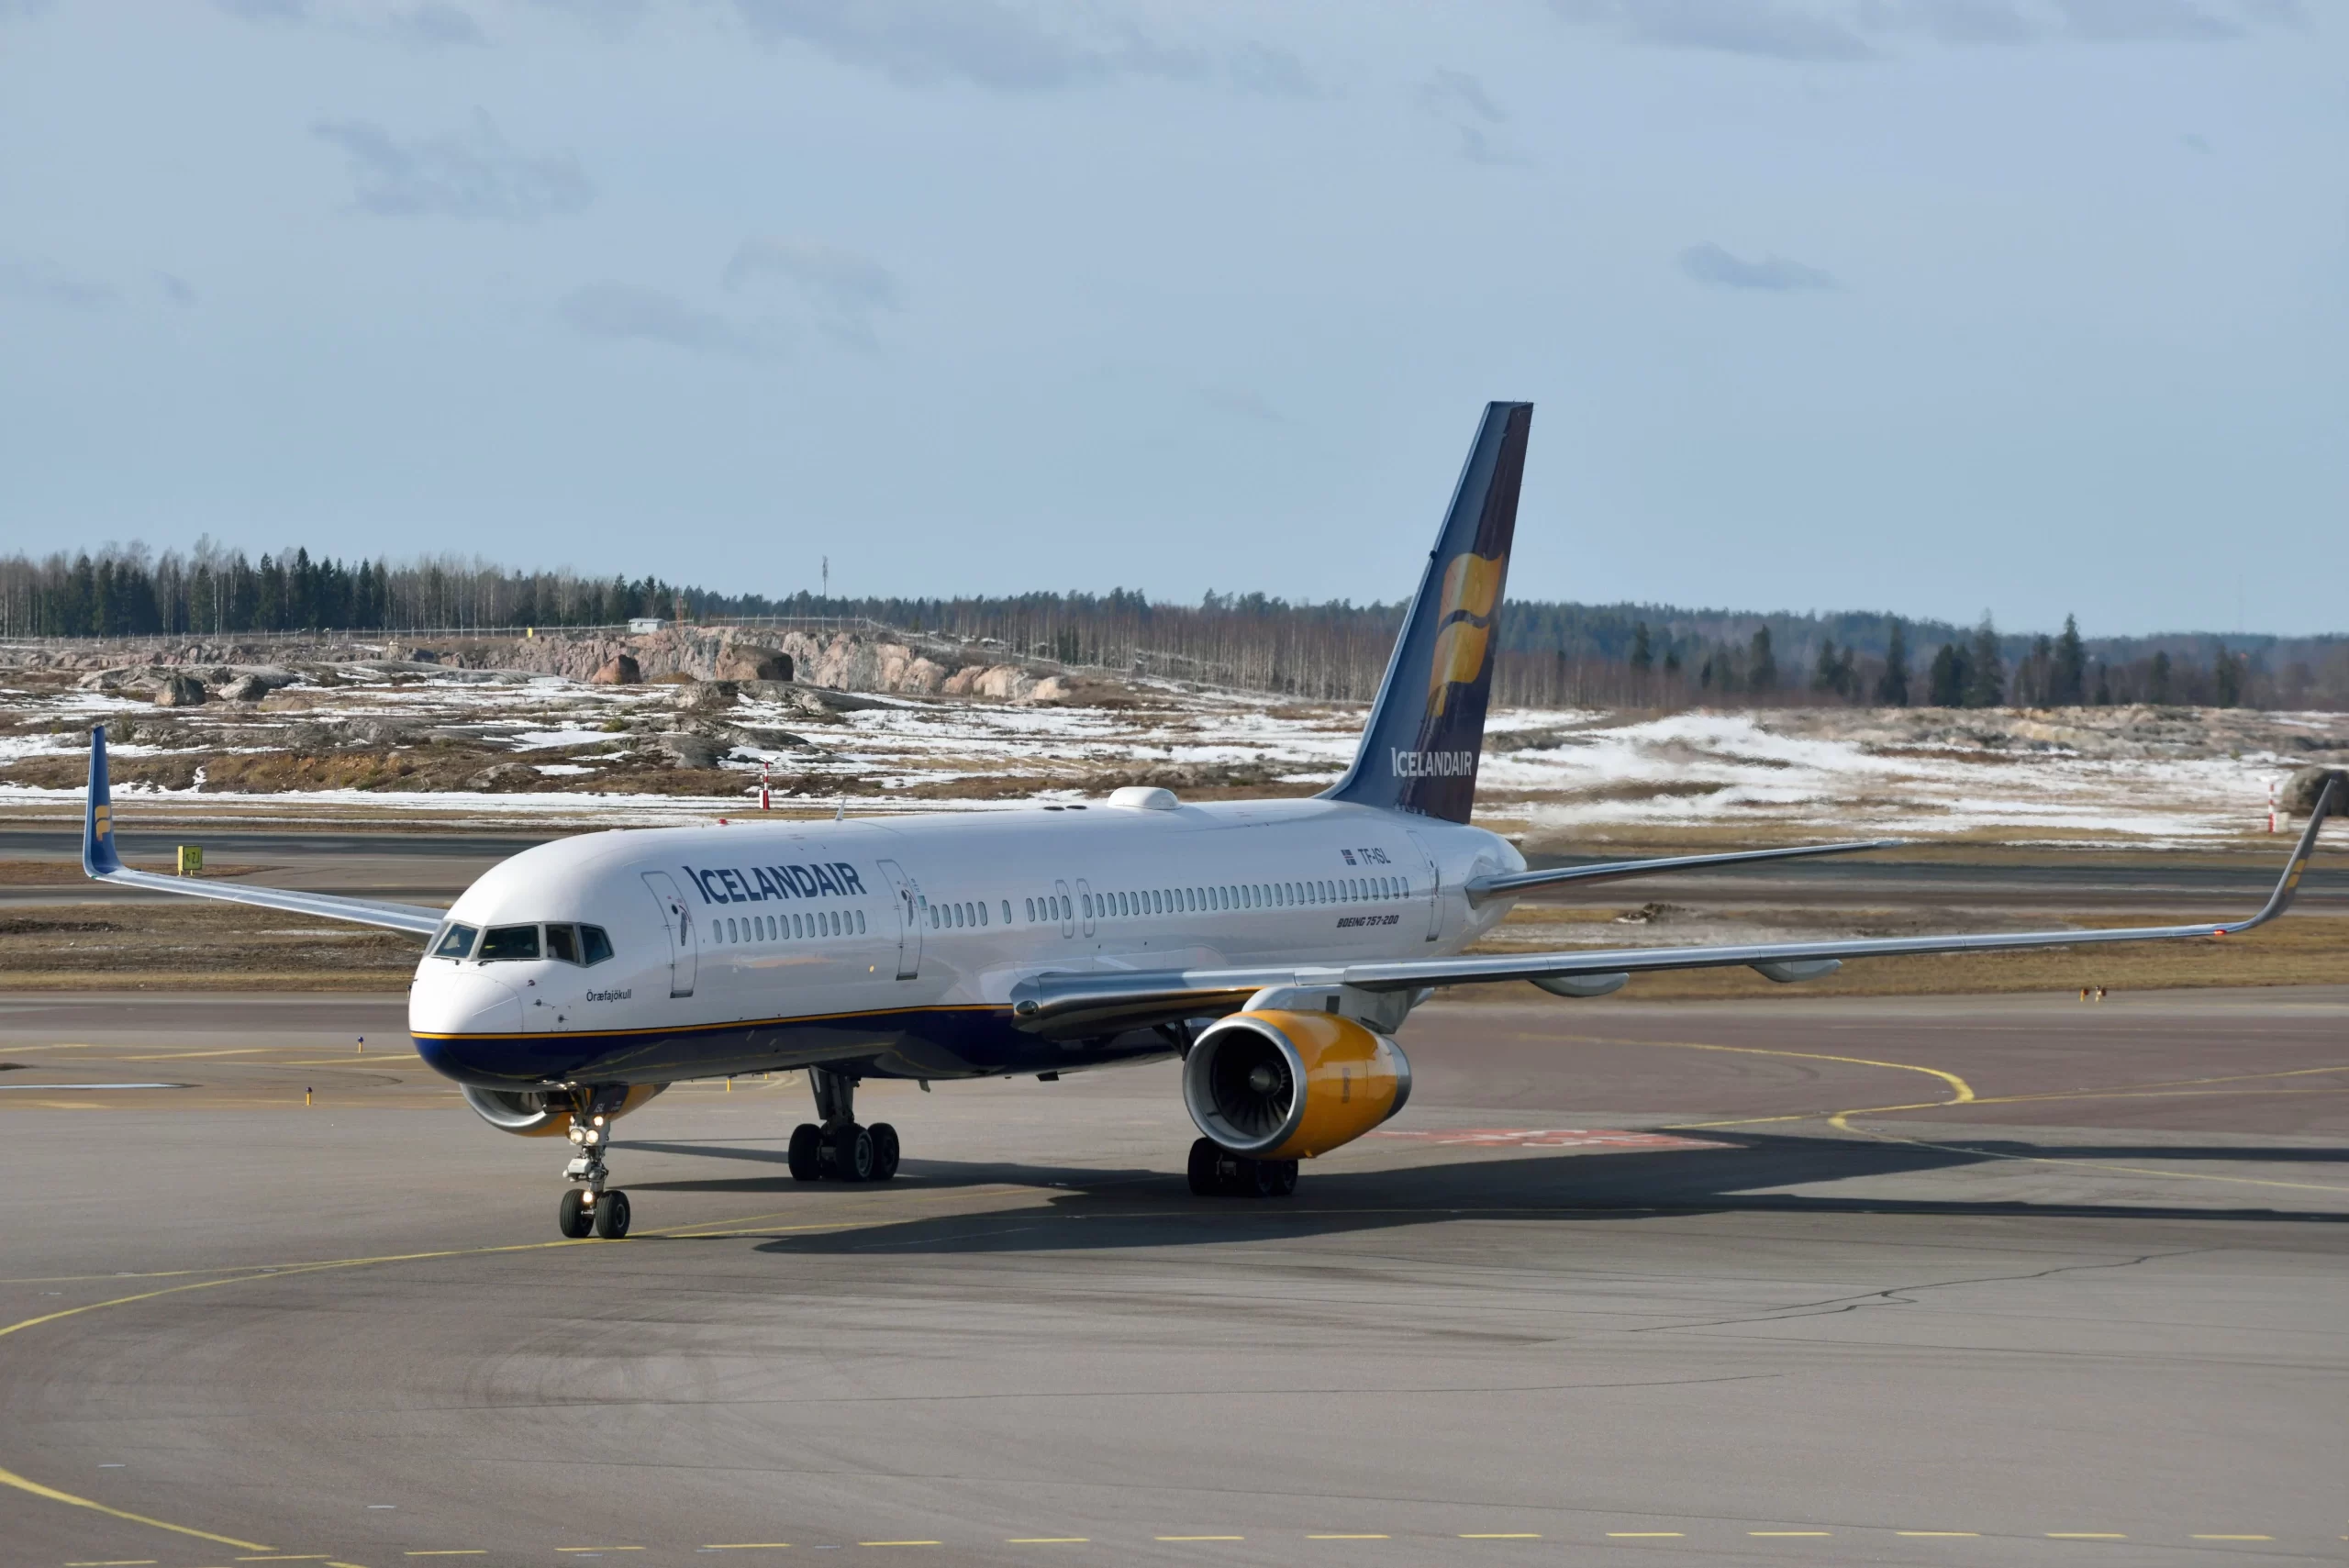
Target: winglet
x,y
2289,883
98,858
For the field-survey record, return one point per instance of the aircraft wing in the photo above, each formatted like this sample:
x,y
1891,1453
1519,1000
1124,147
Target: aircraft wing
x,y
100,860
1484,887
1066,1005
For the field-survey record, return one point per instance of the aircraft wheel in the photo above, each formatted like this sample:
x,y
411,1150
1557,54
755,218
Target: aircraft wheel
x,y
884,1151
571,1215
611,1217
1283,1174
1207,1175
806,1153
850,1150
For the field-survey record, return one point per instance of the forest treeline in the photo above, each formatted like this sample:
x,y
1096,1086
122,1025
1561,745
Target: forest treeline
x,y
1552,654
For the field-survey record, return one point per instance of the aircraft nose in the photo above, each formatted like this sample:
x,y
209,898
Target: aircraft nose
x,y
463,1002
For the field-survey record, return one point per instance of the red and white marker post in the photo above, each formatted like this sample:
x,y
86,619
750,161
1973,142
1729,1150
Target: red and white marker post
x,y
764,804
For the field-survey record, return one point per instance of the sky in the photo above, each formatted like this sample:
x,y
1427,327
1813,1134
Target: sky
x,y
1934,306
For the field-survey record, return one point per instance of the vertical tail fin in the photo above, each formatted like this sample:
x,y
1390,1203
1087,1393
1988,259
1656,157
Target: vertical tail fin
x,y
98,858
1419,750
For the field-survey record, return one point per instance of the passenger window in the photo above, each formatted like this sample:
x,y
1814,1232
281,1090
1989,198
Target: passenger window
x,y
509,942
1007,911
983,911
595,947
562,943
1031,911
455,942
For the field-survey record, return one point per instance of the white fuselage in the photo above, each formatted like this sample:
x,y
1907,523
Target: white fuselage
x,y
898,941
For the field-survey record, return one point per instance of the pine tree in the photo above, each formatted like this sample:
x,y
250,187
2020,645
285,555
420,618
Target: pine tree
x,y
1762,671
2157,688
1642,656
1892,687
1946,683
1826,675
1985,676
2227,675
2103,686
2068,686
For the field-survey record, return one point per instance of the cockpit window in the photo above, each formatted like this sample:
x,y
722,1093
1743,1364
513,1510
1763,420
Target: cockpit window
x,y
594,946
455,941
509,942
563,942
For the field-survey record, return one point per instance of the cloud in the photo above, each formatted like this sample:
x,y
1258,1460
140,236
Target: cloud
x,y
472,173
1242,403
175,289
2145,21
437,26
1461,102
1815,30
1954,21
990,44
1774,29
1708,263
277,11
845,290
623,313
42,284
2197,143
1451,92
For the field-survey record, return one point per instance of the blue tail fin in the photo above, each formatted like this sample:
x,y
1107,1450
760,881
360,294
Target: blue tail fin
x,y
98,858
1419,752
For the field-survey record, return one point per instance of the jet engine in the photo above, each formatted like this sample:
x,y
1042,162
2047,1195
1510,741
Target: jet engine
x,y
541,1113
1284,1086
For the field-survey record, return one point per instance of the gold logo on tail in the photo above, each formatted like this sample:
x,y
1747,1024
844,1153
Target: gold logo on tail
x,y
1471,590
105,820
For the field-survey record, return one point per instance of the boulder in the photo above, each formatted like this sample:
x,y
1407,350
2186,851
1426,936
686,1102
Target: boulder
x,y
2297,797
245,688
620,670
504,777
179,691
707,696
744,663
690,750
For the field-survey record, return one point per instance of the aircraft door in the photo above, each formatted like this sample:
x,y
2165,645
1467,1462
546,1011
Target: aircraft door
x,y
1435,886
677,918
1068,909
1085,903
909,925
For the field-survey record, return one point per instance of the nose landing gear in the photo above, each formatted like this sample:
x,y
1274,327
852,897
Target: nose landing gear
x,y
840,1148
588,1207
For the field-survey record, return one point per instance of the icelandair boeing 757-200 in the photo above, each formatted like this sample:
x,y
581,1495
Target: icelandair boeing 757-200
x,y
1274,946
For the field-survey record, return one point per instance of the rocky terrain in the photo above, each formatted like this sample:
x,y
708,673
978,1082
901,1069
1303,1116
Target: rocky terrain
x,y
683,721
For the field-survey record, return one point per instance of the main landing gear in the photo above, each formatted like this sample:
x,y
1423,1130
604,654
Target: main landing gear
x,y
1215,1172
839,1149
589,1206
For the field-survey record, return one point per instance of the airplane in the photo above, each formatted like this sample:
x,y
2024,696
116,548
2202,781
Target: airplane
x,y
1274,946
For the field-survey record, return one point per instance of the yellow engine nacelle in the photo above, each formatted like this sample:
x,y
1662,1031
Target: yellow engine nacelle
x,y
541,1113
1284,1086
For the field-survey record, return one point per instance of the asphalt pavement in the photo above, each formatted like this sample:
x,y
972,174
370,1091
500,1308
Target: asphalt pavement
x,y
1919,1281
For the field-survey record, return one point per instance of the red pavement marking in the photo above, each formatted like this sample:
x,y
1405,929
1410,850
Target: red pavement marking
x,y
1598,1138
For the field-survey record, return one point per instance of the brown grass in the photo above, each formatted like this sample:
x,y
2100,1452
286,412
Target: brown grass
x,y
196,946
